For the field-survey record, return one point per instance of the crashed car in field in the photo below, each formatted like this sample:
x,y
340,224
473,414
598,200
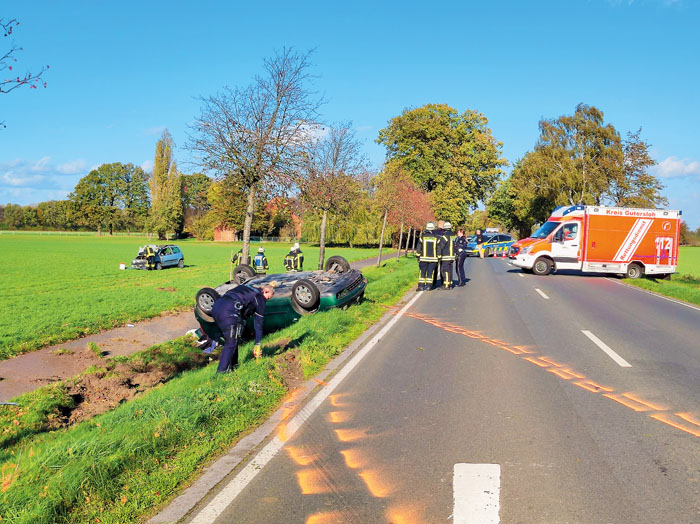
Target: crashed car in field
x,y
151,256
296,294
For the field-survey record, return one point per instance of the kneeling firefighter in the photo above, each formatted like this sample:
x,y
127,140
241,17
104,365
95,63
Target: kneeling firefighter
x,y
230,311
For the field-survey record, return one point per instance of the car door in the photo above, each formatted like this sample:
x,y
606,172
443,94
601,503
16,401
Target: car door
x,y
167,257
565,246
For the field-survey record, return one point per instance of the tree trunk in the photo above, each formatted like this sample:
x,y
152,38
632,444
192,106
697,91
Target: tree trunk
x,y
381,239
408,241
111,229
415,238
99,230
247,224
322,240
398,251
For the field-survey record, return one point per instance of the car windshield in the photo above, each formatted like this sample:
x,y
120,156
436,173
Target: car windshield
x,y
545,230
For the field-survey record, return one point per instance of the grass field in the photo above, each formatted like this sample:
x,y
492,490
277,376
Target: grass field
x,y
684,285
120,466
58,288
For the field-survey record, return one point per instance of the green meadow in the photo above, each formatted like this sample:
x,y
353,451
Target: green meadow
x,y
123,465
685,284
58,288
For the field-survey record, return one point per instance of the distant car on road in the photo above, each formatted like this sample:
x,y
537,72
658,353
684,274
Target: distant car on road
x,y
497,245
163,256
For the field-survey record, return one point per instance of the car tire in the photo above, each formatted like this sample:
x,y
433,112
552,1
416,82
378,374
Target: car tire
x,y
634,271
205,299
205,316
542,266
243,274
181,263
159,266
305,296
337,265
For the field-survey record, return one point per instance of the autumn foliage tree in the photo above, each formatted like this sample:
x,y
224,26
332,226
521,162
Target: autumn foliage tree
x,y
326,180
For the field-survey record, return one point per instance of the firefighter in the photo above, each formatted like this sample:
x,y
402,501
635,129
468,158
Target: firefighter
x,y
461,254
237,259
427,257
294,260
446,255
439,230
150,258
230,313
260,262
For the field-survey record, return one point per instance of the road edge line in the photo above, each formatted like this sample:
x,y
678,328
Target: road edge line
x,y
217,472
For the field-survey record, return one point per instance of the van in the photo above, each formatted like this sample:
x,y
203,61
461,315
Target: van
x,y
598,239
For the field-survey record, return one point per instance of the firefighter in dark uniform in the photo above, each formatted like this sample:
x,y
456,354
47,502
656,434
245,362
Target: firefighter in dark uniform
x,y
294,260
427,257
446,250
439,230
231,311
461,254
260,262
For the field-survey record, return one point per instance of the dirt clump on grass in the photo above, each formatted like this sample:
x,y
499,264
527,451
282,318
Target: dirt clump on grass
x,y
104,388
289,369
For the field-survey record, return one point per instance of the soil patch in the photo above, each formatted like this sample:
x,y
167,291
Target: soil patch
x,y
289,369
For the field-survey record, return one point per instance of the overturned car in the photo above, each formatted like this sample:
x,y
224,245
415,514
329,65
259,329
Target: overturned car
x,y
296,294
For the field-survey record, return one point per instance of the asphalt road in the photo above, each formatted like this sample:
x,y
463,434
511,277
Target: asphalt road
x,y
581,395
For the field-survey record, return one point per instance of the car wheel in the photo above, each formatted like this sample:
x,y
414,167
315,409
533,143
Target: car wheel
x,y
181,263
634,271
243,274
159,266
204,316
305,296
337,265
205,299
542,266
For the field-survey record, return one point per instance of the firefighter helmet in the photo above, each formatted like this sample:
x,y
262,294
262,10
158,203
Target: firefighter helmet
x,y
448,225
261,250
430,226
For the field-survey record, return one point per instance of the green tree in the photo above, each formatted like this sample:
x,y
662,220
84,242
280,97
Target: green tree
x,y
54,214
502,208
165,184
195,189
109,195
637,188
439,147
254,134
13,216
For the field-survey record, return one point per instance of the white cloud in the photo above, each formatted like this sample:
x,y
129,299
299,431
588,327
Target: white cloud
x,y
672,167
27,182
147,166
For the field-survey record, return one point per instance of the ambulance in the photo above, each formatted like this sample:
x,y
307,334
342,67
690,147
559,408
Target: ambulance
x,y
597,239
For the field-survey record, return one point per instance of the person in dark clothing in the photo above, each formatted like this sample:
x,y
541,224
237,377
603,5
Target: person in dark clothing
x,y
461,253
446,255
427,258
231,311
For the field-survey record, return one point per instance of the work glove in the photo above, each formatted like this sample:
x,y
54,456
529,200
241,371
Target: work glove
x,y
257,351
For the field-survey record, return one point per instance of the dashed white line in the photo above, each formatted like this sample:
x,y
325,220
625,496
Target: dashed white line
x,y
476,489
542,293
602,345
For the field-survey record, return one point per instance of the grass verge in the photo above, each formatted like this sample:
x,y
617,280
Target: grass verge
x,y
121,465
684,285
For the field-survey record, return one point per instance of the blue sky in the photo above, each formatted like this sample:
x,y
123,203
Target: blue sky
x,y
121,72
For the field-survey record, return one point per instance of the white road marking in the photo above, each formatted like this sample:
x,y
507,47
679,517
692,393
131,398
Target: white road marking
x,y
602,345
542,293
696,308
219,503
476,490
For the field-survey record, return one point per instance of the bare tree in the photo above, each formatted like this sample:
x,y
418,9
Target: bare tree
x,y
255,134
327,181
10,82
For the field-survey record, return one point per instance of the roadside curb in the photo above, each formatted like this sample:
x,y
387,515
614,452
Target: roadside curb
x,y
227,465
